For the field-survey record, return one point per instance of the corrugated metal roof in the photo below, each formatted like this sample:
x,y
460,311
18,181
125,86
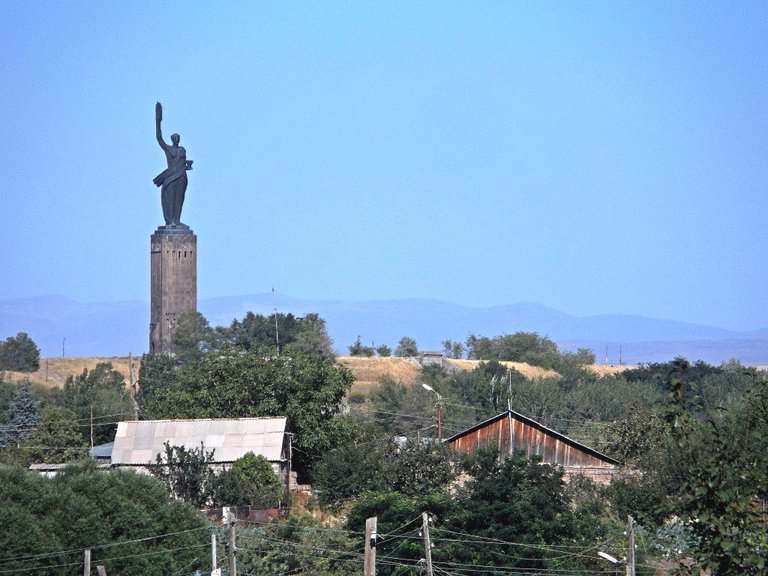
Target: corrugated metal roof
x,y
137,443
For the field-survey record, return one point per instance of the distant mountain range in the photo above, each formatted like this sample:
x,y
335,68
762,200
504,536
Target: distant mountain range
x,y
63,327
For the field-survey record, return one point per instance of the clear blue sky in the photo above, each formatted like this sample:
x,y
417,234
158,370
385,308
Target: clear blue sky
x,y
596,157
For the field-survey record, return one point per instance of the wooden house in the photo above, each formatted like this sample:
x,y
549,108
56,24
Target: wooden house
x,y
511,432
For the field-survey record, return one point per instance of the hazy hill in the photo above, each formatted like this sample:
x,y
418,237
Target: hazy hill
x,y
63,327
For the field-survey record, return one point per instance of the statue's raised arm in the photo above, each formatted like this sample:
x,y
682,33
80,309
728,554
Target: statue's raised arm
x,y
158,121
172,180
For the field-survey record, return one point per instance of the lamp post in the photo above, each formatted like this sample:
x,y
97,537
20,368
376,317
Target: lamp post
x,y
438,410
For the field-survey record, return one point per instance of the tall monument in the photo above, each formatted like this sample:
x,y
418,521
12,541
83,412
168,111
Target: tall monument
x,y
173,247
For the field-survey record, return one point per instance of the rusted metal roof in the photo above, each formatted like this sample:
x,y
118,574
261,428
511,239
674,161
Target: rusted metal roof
x,y
137,443
510,432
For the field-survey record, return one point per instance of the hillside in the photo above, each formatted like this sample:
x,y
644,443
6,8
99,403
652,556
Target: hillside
x,y
367,371
54,371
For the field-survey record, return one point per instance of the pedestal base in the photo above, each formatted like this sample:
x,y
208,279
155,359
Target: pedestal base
x,y
173,282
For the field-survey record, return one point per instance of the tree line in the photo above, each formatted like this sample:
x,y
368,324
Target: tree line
x,y
692,438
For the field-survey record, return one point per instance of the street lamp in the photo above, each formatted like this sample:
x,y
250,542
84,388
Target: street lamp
x,y
438,410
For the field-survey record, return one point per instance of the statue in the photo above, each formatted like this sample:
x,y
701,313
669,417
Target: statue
x,y
173,180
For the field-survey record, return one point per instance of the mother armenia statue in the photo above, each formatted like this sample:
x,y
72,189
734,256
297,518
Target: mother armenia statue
x,y
173,180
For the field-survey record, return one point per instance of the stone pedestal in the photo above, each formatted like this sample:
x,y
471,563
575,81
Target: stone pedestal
x,y
173,284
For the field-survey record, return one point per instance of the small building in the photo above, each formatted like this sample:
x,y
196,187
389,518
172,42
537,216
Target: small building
x,y
138,443
510,432
102,452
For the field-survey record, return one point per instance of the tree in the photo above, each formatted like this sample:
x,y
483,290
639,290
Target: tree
x,y
311,337
364,463
19,353
187,473
250,482
528,347
157,374
281,332
22,417
512,500
56,440
717,474
125,518
399,516
422,467
300,545
192,337
401,409
357,348
453,349
384,351
307,389
98,396
406,347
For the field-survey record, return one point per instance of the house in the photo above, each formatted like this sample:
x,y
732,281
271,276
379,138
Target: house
x,y
138,443
510,432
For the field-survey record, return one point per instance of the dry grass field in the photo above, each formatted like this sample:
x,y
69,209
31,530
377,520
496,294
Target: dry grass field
x,y
367,371
54,371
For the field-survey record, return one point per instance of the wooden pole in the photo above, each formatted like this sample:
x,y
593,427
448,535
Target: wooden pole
x,y
232,548
87,563
369,568
630,546
132,380
427,543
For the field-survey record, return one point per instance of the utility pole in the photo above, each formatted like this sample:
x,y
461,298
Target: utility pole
x,y
87,563
630,546
232,549
438,410
427,543
213,551
132,380
369,568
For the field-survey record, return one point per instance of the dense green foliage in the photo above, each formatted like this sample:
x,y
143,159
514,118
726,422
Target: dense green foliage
x,y
99,398
281,332
527,347
512,514
124,518
708,469
357,348
250,481
307,389
375,463
19,353
187,473
300,545
453,349
57,440
193,337
22,416
407,347
157,375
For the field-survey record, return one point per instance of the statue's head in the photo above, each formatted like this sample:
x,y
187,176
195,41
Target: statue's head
x,y
175,139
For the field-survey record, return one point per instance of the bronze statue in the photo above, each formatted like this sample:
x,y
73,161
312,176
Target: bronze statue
x,y
173,180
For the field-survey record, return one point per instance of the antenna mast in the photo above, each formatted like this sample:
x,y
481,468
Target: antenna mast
x,y
277,333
